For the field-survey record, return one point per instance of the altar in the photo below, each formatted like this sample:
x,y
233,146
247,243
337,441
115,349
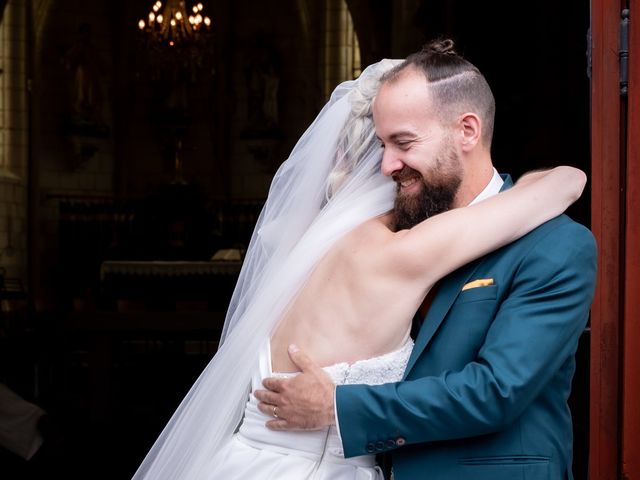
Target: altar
x,y
168,285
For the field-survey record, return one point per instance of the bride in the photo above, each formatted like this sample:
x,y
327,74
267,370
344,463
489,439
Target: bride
x,y
326,270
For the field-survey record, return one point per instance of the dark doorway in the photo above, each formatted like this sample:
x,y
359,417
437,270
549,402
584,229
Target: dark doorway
x,y
533,55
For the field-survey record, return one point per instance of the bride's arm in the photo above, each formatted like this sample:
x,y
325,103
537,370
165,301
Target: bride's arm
x,y
445,242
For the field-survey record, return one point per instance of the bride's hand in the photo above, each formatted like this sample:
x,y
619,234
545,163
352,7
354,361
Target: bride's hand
x,y
303,402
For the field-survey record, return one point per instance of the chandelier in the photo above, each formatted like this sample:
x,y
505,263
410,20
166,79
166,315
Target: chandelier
x,y
177,56
171,35
173,26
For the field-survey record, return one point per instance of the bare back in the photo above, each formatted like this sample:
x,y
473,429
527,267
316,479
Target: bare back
x,y
350,308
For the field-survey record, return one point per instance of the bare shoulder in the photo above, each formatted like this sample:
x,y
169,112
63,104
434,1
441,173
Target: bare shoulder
x,y
370,235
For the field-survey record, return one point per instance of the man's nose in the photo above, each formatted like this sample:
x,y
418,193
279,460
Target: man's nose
x,y
391,163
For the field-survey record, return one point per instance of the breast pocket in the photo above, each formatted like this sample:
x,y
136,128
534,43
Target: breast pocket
x,y
478,294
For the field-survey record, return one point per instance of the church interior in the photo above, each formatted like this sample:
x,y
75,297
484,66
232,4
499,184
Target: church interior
x,y
135,160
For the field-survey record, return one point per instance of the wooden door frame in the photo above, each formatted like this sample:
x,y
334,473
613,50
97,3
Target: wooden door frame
x,y
606,225
614,440
630,464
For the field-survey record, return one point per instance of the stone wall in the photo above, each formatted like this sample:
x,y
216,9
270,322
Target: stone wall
x,y
14,153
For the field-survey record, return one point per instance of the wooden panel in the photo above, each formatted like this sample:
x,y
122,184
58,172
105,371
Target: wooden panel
x,y
605,204
631,381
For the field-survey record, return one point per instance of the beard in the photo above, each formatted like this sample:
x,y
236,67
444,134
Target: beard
x,y
436,195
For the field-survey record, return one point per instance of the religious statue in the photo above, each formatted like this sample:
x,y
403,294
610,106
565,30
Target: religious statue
x,y
85,65
262,81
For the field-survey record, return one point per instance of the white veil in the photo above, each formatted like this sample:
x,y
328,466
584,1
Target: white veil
x,y
330,184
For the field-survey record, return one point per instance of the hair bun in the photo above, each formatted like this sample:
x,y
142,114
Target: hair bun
x,y
440,47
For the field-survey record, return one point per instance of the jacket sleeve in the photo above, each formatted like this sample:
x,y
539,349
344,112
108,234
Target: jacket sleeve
x,y
534,332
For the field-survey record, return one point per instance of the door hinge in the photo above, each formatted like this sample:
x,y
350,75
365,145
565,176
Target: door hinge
x,y
623,52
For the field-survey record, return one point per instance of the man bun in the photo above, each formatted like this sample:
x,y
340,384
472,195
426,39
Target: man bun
x,y
440,46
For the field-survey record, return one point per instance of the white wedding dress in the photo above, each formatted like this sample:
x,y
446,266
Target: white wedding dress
x,y
256,452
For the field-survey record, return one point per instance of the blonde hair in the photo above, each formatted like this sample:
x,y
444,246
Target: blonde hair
x,y
358,133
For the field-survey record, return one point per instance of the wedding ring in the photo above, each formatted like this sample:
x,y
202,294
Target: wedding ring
x,y
275,412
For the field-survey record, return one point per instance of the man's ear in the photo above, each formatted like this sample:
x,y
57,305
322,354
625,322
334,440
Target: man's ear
x,y
470,128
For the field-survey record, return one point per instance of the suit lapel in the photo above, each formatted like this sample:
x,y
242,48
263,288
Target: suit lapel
x,y
447,294
449,290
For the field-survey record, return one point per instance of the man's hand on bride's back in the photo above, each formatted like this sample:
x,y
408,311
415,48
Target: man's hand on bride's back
x,y
302,402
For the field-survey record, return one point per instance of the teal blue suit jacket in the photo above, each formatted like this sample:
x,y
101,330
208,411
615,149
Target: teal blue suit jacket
x,y
485,391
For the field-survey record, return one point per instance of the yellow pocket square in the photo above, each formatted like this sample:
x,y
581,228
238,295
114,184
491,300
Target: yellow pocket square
x,y
481,282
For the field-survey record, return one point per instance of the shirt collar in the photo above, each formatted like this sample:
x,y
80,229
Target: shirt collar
x,y
493,187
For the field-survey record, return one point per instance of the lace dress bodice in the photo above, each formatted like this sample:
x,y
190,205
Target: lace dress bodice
x,y
372,371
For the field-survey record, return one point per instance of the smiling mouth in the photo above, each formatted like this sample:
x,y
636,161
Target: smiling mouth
x,y
409,185
408,182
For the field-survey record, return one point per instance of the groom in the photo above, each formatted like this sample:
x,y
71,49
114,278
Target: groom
x,y
485,391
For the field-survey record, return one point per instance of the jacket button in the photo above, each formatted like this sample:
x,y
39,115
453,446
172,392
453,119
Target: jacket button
x,y
391,443
379,446
371,447
400,441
